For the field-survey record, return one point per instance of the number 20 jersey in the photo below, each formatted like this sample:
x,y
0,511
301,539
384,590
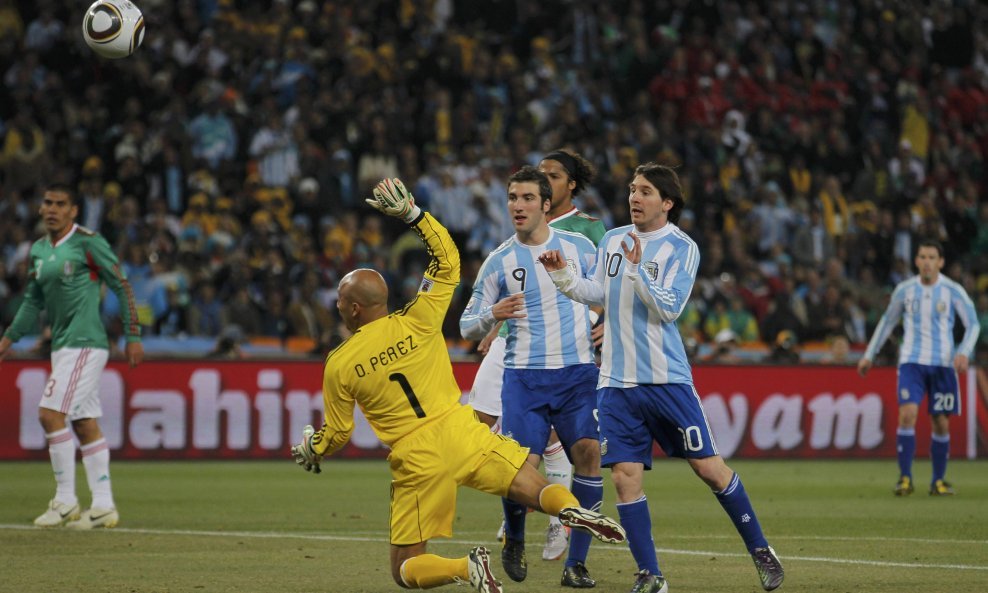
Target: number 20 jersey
x,y
397,368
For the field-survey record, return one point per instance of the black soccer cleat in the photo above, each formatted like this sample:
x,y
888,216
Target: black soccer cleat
x,y
646,582
577,577
513,560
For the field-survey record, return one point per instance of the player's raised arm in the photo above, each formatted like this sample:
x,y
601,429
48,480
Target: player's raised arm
x,y
442,275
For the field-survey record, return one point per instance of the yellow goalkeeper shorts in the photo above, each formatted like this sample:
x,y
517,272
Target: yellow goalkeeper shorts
x,y
428,465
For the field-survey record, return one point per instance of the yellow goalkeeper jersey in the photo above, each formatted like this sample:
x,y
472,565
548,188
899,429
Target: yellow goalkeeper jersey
x,y
397,368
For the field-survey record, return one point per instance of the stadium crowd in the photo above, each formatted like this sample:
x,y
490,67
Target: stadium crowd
x,y
227,159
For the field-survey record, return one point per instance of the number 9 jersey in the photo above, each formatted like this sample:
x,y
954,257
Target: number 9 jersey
x,y
397,368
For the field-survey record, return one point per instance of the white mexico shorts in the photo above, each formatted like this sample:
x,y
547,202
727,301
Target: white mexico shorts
x,y
73,387
485,395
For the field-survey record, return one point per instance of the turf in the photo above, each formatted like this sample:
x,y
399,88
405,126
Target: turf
x,y
270,527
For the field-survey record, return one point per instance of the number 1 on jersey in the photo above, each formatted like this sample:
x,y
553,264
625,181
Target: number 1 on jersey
x,y
409,393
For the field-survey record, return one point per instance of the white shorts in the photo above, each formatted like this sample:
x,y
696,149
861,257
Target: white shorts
x,y
485,395
73,387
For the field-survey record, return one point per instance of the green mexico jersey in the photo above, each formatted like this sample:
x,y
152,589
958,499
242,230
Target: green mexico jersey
x,y
573,221
65,281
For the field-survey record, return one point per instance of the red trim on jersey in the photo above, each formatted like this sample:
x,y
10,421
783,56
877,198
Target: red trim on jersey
x,y
93,267
567,213
135,326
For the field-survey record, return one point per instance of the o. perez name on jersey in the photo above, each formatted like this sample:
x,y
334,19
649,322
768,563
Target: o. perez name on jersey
x,y
387,356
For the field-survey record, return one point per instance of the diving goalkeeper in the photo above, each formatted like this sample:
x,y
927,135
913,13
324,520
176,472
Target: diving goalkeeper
x,y
396,367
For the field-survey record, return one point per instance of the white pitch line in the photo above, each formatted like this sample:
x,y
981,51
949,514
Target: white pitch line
x,y
347,538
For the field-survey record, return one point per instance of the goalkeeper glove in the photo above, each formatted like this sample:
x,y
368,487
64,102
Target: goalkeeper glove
x,y
392,198
304,454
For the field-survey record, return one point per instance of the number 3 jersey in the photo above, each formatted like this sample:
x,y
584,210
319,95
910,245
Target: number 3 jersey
x,y
397,368
555,331
65,281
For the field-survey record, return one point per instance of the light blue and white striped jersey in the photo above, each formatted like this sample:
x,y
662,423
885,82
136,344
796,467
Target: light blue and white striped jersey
x,y
928,314
555,332
642,345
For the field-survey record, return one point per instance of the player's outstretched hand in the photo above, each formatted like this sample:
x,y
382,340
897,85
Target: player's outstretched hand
x,y
304,454
392,198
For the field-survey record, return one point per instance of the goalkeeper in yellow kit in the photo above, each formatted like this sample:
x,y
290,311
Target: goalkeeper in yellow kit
x,y
396,367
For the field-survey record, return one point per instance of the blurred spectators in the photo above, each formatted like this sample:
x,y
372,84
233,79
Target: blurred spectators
x,y
817,143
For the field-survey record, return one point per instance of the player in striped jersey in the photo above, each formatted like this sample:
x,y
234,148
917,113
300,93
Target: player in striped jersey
x,y
643,277
68,268
928,305
569,174
396,367
550,376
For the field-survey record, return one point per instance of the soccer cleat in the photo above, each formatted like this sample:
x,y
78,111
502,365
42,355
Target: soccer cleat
x,y
479,567
513,560
577,577
646,582
600,526
941,488
904,487
57,514
556,540
95,518
769,568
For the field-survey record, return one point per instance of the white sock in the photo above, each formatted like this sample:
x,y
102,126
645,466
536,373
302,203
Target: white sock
x,y
557,469
96,459
61,449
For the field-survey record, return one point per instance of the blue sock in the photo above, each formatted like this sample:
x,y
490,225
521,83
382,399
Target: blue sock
x,y
905,446
514,520
939,451
735,501
590,493
637,522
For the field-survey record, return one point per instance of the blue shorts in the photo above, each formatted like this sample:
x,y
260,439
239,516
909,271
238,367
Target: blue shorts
x,y
916,380
670,414
533,401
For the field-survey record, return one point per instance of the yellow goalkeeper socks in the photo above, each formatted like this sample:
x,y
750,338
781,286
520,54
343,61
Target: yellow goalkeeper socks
x,y
428,570
555,497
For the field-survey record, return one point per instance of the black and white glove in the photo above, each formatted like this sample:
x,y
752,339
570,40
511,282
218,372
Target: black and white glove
x,y
392,198
304,454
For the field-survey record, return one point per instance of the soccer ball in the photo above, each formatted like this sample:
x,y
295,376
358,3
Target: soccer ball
x,y
113,28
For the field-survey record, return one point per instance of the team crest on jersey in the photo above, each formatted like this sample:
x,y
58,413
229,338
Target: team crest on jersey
x,y
426,285
652,269
67,268
941,307
571,265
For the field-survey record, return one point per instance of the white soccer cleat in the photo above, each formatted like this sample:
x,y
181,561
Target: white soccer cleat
x,y
58,514
96,518
556,540
600,526
479,567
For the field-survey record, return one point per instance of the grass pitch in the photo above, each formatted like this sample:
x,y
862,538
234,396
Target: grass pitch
x,y
271,527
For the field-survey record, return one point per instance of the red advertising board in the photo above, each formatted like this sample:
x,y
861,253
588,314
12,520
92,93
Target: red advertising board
x,y
255,410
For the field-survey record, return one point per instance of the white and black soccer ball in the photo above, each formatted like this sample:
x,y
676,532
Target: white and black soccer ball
x,y
113,28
